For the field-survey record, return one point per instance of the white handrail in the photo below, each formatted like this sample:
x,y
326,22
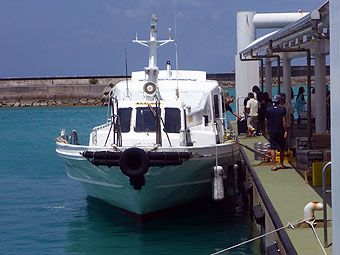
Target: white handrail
x,y
325,243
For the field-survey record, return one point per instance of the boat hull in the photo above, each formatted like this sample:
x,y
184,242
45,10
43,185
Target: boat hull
x,y
165,187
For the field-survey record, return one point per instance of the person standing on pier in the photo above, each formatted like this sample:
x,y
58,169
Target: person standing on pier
x,y
245,101
290,119
276,125
262,109
300,103
252,111
227,101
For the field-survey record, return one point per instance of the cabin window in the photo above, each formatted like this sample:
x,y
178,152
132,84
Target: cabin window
x,y
172,120
125,119
216,107
223,104
206,120
145,121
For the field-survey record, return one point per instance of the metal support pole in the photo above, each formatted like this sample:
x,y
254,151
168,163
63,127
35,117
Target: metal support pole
x,y
269,78
262,75
309,99
287,84
278,64
320,89
278,71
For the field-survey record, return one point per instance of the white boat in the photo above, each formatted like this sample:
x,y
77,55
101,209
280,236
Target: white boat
x,y
157,150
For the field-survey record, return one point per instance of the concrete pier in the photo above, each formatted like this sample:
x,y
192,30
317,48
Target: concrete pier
x,y
281,196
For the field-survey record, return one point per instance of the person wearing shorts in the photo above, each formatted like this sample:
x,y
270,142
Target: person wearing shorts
x,y
252,110
276,126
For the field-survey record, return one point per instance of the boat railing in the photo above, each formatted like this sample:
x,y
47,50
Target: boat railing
x,y
115,127
68,139
324,191
73,138
101,126
117,131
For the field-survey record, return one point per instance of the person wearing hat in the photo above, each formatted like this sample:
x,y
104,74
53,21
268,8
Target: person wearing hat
x,y
276,126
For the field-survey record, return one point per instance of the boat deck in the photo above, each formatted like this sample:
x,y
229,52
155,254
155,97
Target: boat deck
x,y
289,194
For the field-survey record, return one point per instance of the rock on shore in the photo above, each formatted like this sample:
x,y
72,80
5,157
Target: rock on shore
x,y
51,103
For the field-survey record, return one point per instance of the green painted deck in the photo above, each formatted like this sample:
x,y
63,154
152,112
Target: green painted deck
x,y
289,194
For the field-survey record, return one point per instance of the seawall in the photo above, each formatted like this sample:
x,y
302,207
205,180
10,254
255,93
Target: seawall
x,y
55,91
90,90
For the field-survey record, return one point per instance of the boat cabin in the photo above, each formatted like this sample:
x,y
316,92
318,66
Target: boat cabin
x,y
136,125
195,119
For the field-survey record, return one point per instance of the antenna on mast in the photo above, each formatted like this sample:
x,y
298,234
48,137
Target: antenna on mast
x,y
126,75
176,44
152,70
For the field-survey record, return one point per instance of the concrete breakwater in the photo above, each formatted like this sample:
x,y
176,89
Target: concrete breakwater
x,y
90,90
56,91
69,91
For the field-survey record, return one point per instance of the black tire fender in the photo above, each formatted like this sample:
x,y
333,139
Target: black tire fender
x,y
134,162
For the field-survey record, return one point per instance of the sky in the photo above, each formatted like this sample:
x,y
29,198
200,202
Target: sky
x,y
42,38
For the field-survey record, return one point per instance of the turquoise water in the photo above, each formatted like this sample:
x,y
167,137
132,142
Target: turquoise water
x,y
42,211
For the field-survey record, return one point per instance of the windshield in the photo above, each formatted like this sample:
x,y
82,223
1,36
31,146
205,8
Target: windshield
x,y
145,121
172,120
125,119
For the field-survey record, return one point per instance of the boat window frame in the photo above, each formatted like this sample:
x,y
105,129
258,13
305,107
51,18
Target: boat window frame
x,y
179,119
120,118
136,120
216,106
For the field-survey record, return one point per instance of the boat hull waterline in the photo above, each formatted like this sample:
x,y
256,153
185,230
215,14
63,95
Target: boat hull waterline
x,y
165,187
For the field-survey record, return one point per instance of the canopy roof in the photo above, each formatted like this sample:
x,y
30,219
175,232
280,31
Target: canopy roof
x,y
301,33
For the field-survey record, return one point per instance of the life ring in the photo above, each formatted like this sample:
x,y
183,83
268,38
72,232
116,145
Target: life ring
x,y
149,88
134,162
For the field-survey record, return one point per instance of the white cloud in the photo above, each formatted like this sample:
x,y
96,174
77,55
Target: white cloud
x,y
87,31
131,9
111,9
194,3
215,14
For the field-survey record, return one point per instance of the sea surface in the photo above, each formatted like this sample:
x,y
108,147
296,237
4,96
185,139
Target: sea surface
x,y
42,211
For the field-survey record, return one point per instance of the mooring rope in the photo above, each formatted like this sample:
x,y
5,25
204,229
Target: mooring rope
x,y
291,225
311,224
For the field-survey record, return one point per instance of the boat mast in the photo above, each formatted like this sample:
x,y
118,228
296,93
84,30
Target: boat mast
x,y
152,70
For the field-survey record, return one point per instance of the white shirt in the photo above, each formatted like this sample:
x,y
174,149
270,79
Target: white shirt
x,y
253,106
